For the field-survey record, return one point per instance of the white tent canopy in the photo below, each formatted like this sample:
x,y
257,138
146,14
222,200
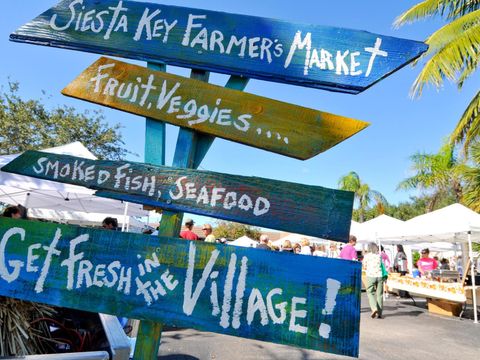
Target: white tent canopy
x,y
453,224
374,229
296,238
449,224
44,194
244,241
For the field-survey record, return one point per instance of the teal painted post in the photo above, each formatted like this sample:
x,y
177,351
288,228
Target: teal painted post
x,y
148,340
190,150
205,141
150,333
184,156
155,132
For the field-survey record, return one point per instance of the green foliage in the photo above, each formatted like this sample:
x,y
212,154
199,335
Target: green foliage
x,y
417,206
415,256
232,230
436,175
471,176
29,125
364,197
453,54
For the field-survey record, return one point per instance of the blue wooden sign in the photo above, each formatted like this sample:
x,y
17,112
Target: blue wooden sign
x,y
316,56
304,301
305,209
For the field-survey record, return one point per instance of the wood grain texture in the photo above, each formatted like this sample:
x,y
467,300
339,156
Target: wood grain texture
x,y
155,132
304,209
268,124
303,301
317,56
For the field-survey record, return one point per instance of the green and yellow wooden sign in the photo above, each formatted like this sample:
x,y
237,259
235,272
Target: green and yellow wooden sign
x,y
272,125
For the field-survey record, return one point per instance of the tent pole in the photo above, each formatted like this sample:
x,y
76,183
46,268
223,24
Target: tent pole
x,y
472,267
125,211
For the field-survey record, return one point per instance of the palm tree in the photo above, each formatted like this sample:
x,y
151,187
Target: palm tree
x,y
437,174
363,194
471,175
453,54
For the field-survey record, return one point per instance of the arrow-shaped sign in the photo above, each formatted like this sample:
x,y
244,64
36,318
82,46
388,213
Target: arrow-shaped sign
x,y
317,56
253,120
305,209
304,301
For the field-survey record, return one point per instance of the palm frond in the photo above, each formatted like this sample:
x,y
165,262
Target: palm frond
x,y
468,127
471,191
422,10
364,196
452,31
462,7
378,197
471,177
349,182
474,153
451,60
470,67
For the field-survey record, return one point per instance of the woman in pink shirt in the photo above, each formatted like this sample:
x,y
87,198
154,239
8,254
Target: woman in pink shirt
x,y
385,259
349,252
426,264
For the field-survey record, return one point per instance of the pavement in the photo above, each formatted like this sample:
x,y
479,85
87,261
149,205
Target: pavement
x,y
407,332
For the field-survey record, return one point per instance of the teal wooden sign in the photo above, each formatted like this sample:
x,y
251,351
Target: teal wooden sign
x,y
316,56
305,209
303,301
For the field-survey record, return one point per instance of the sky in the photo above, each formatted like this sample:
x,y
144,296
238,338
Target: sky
x,y
380,154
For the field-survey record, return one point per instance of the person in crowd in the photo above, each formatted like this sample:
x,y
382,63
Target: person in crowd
x,y
305,247
263,242
400,262
385,259
459,265
415,271
444,264
319,250
188,234
272,246
222,241
333,251
287,246
296,248
372,266
426,264
207,230
110,223
349,252
388,266
12,212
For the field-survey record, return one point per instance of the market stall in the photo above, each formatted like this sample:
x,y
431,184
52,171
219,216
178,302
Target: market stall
x,y
451,224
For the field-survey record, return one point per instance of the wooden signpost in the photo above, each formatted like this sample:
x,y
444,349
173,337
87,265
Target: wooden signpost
x,y
253,120
307,55
312,303
297,300
310,210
